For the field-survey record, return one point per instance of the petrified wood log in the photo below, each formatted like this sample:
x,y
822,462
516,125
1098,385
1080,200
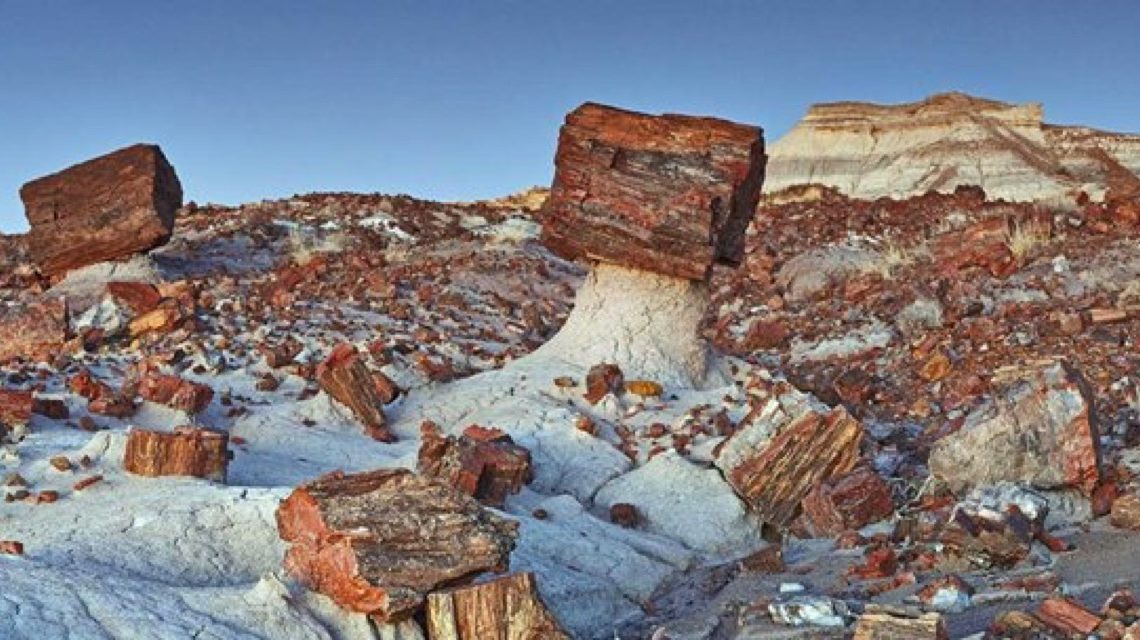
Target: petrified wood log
x,y
776,458
671,193
107,208
345,377
850,501
379,542
483,463
882,625
175,392
15,407
1068,616
185,452
507,608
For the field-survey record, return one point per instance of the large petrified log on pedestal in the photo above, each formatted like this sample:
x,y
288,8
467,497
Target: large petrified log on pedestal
x,y
483,463
671,194
345,377
507,608
379,542
107,208
185,452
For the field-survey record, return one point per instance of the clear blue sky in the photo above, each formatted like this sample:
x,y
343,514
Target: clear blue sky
x,y
462,99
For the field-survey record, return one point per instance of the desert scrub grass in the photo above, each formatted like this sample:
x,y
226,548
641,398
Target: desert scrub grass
x,y
1024,237
304,245
893,255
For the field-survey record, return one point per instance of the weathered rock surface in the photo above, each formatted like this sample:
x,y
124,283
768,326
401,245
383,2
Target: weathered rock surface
x,y
186,451
379,542
788,445
103,209
483,463
1042,430
178,393
947,140
507,608
671,194
849,501
345,377
33,331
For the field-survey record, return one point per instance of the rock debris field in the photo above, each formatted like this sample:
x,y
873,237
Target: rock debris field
x,y
688,392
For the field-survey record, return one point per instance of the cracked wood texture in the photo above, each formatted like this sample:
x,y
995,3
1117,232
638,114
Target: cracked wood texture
x,y
882,625
345,377
672,194
483,463
379,542
185,452
107,208
507,608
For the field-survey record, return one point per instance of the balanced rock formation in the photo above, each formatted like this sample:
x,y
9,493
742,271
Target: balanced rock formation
x,y
379,542
107,208
483,463
345,377
185,452
869,151
1042,431
670,194
785,447
507,608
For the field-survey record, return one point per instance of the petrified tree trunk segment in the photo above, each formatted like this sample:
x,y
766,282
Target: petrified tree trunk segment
x,y
881,625
507,608
788,445
483,463
1042,430
671,194
103,209
379,542
850,501
185,452
345,377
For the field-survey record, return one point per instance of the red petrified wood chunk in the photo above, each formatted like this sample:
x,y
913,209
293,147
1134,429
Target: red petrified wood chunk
x,y
850,501
345,377
185,452
507,608
379,542
139,297
34,331
671,194
1066,616
175,392
103,209
15,407
101,398
603,379
483,463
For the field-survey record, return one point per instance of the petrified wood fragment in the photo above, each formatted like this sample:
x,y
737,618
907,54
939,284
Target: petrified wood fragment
x,y
884,625
379,542
176,392
850,501
483,463
345,377
671,194
33,331
507,608
107,208
187,451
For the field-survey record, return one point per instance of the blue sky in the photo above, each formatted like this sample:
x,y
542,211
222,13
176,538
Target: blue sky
x,y
458,100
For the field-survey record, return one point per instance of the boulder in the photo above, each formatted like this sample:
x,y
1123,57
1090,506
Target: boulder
x,y
15,407
788,444
34,331
1041,430
483,463
379,542
108,208
671,194
507,608
186,451
345,377
175,392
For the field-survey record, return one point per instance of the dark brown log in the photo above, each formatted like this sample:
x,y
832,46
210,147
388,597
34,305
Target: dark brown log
x,y
671,194
483,463
507,608
379,542
345,377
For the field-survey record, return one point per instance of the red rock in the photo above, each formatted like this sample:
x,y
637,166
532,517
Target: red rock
x,y
161,320
671,194
51,408
850,501
1042,430
11,547
107,208
984,244
386,389
1125,512
280,355
1067,616
769,560
15,407
765,334
34,331
87,482
101,398
601,380
506,608
624,515
483,463
379,542
185,452
175,392
345,377
60,463
880,562
140,297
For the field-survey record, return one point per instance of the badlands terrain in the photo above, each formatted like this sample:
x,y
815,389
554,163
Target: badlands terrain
x,y
893,396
